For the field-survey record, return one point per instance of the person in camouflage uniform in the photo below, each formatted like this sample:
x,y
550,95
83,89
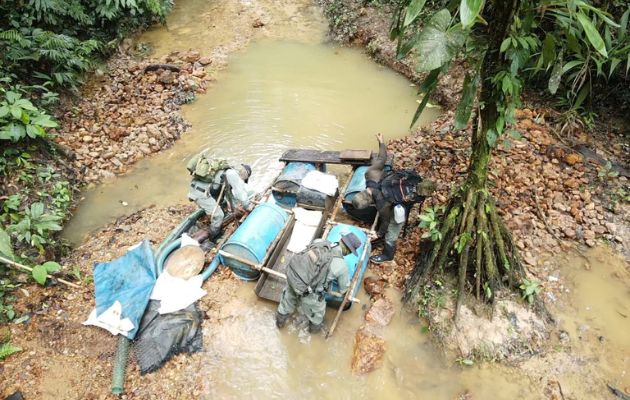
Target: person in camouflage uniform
x,y
209,175
312,303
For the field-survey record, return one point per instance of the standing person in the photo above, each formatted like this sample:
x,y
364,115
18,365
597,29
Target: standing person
x,y
393,193
210,175
309,275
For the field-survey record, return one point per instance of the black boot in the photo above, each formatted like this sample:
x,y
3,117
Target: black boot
x,y
281,320
388,254
315,328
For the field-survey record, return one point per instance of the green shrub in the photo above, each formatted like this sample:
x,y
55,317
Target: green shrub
x,y
34,226
19,118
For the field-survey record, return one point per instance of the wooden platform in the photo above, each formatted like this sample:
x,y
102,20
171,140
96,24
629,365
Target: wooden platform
x,y
347,157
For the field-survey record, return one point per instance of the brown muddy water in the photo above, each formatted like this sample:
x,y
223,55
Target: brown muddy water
x,y
245,356
286,89
249,358
596,313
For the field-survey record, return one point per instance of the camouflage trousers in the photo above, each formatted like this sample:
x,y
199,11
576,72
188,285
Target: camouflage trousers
x,y
311,306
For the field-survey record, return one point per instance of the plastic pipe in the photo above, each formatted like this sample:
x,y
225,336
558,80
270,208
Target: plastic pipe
x,y
211,267
177,232
120,365
166,251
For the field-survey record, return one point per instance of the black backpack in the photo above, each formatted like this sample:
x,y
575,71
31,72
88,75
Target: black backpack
x,y
308,269
399,187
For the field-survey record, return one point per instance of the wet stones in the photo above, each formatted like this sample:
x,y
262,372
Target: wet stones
x,y
533,174
132,112
381,312
373,286
369,349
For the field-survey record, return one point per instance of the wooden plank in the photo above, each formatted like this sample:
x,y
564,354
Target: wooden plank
x,y
364,155
328,157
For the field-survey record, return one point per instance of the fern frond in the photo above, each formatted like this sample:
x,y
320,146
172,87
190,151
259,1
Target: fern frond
x,y
11,35
7,349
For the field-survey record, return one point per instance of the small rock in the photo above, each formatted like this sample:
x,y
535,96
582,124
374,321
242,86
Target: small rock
x,y
559,206
87,138
191,56
573,158
588,234
381,312
612,228
166,77
374,286
369,349
530,259
590,242
205,61
258,23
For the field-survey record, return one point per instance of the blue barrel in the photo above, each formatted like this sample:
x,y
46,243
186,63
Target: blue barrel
x,y
356,185
352,261
287,184
252,239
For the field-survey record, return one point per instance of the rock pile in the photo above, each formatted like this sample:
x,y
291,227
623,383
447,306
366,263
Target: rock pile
x,y
545,193
369,343
132,114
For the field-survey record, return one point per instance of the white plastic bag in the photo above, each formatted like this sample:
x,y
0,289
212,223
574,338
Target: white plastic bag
x,y
399,214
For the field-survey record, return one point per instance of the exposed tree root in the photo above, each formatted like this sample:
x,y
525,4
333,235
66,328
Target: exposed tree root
x,y
475,245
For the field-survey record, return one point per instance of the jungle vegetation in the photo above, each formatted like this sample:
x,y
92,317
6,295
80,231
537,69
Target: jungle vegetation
x,y
46,47
567,46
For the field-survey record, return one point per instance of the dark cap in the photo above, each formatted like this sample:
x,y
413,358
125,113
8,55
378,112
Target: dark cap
x,y
352,242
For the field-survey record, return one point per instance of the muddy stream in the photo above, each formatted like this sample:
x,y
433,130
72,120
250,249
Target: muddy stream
x,y
288,88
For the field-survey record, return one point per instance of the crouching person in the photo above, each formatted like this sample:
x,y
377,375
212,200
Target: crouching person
x,y
212,176
309,276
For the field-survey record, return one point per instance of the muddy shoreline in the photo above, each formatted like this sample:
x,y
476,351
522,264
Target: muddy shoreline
x,y
63,359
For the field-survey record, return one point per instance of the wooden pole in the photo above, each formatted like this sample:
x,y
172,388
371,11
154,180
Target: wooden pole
x,y
218,201
337,205
29,269
353,283
270,271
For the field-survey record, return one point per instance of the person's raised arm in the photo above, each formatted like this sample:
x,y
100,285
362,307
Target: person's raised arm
x,y
376,168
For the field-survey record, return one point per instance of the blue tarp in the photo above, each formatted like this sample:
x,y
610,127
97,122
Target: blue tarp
x,y
129,280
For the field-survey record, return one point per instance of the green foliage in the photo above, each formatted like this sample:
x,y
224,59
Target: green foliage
x,y
430,220
438,42
469,11
467,362
41,271
570,43
465,106
414,9
6,349
6,250
35,225
53,42
529,289
20,119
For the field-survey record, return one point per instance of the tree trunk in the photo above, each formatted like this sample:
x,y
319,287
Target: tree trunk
x,y
475,244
